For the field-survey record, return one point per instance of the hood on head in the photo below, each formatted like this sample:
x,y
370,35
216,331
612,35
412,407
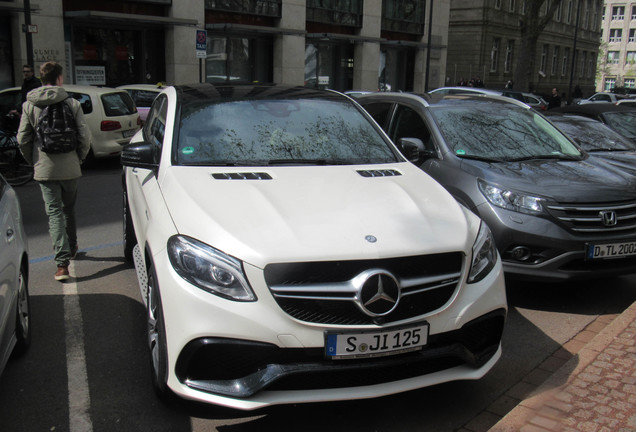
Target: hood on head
x,y
46,95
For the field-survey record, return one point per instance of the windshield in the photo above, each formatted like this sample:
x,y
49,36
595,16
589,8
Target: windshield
x,y
488,131
594,135
262,132
622,122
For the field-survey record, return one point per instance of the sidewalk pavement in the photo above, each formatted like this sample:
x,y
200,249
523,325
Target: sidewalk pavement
x,y
592,391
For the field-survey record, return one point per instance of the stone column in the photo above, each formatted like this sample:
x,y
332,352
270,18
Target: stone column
x,y
289,49
366,55
438,49
48,42
182,65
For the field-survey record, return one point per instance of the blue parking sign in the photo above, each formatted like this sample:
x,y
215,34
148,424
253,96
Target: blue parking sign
x,y
202,40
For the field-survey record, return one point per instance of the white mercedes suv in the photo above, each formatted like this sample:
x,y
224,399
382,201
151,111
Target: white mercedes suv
x,y
287,252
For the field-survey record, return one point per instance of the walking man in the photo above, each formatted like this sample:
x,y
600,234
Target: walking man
x,y
56,168
554,101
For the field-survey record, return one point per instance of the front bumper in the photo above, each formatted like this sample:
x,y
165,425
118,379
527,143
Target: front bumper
x,y
556,254
251,355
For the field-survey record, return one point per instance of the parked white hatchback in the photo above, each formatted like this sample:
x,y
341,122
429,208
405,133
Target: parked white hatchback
x,y
110,114
287,252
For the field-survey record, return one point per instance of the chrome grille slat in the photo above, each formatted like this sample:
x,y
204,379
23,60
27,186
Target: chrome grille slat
x,y
587,219
326,291
330,293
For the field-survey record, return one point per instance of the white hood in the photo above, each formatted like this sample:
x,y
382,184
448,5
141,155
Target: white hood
x,y
316,213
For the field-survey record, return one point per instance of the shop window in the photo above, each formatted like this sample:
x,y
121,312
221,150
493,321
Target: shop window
x,y
329,65
270,8
239,59
337,12
114,57
405,16
396,69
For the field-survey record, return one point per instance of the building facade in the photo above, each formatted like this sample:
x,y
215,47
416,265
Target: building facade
x,y
484,40
617,60
343,45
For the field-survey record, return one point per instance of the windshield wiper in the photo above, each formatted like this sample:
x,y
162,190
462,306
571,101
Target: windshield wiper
x,y
309,162
607,149
479,158
224,163
548,156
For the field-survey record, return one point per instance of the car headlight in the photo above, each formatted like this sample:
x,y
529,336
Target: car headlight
x,y
209,269
511,200
484,255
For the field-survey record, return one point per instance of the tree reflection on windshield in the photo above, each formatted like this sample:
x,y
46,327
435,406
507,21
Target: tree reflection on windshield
x,y
256,132
487,131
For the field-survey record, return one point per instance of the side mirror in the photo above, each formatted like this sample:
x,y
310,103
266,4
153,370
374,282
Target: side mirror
x,y
139,155
413,149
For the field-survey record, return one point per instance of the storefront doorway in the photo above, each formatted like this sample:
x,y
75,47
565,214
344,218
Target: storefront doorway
x,y
114,56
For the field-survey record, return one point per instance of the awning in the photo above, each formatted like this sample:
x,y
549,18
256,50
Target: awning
x,y
16,7
244,28
129,18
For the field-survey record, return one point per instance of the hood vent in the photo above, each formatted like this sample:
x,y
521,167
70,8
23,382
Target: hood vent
x,y
242,176
379,173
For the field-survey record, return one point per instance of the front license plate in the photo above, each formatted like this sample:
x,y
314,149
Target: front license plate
x,y
129,133
339,345
610,250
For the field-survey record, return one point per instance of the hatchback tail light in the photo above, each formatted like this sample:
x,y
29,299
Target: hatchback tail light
x,y
110,125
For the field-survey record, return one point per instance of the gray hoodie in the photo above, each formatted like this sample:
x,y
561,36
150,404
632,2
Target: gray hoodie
x,y
49,167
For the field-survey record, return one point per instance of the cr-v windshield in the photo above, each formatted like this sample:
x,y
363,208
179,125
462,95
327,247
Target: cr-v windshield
x,y
488,131
268,132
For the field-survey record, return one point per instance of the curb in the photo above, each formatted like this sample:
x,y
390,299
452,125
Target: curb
x,y
548,407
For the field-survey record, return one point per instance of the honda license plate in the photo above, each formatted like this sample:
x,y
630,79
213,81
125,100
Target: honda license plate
x,y
610,250
339,345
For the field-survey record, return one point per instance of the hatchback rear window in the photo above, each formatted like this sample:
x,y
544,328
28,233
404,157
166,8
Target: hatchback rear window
x,y
143,98
118,104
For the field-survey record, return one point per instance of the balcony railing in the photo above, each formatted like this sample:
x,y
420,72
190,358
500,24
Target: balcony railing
x,y
268,8
404,16
336,12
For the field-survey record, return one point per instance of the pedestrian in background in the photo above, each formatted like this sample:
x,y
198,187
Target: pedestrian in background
x,y
554,101
57,172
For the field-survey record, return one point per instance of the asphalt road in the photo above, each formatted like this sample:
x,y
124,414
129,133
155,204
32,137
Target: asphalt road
x,y
87,369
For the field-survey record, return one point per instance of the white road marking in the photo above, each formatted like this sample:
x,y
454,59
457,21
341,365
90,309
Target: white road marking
x,y
78,392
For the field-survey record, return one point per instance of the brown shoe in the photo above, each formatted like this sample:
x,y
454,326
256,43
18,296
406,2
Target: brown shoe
x,y
61,273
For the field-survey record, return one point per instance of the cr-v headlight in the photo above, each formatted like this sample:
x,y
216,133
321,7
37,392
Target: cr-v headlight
x,y
209,269
484,255
511,200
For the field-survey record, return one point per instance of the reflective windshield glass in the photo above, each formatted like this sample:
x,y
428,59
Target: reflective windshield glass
x,y
594,136
261,132
492,131
622,122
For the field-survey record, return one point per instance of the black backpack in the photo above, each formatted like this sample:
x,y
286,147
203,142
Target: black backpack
x,y
57,130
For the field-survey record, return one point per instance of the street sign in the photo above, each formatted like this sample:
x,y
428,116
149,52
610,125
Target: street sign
x,y
202,43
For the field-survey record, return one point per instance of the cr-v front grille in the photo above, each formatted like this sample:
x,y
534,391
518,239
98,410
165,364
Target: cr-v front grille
x,y
596,218
326,292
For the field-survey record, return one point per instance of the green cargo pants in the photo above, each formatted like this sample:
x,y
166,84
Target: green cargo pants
x,y
59,202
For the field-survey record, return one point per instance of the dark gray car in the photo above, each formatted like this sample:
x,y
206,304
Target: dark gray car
x,y
555,212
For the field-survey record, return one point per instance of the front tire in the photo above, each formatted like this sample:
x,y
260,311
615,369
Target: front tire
x,y
157,344
23,315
